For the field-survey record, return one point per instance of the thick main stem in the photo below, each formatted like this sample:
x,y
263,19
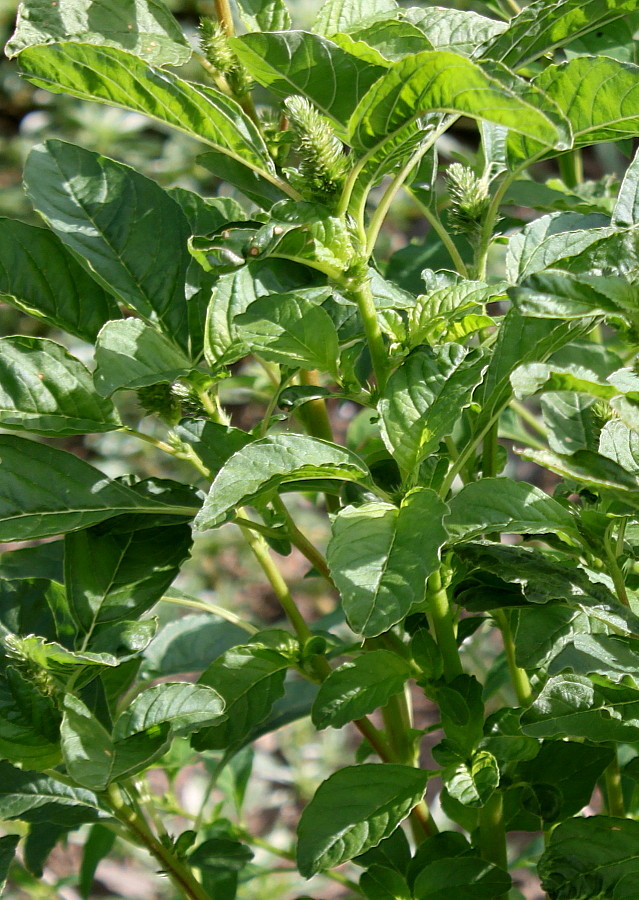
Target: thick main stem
x,y
614,794
363,296
315,417
225,16
492,834
442,619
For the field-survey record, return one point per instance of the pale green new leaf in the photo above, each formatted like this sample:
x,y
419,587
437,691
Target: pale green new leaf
x,y
543,27
346,15
354,810
359,687
621,444
462,31
118,224
291,330
297,62
511,507
145,28
626,211
384,42
440,81
111,76
183,706
86,745
262,466
434,314
264,15
380,557
46,491
472,782
131,354
423,399
46,390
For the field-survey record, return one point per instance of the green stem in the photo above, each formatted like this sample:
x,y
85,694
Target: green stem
x,y
529,418
363,296
225,16
614,793
398,725
571,168
318,424
442,618
290,855
492,834
444,236
490,448
518,676
303,544
615,572
182,878
212,608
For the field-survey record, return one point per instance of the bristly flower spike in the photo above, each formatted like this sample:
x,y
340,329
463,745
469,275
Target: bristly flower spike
x,y
323,165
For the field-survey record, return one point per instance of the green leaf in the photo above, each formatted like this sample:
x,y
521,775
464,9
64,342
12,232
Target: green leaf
x,y
282,62
591,855
461,31
249,678
440,81
591,469
435,314
384,42
114,572
346,15
143,27
424,397
572,706
8,845
542,27
262,466
86,745
221,853
45,491
354,810
472,782
40,277
359,687
213,443
189,644
381,883
260,190
572,425
291,330
29,723
97,845
469,877
118,224
184,707
626,211
378,564
500,504
111,76
130,354
46,390
598,654
264,15
621,444
38,798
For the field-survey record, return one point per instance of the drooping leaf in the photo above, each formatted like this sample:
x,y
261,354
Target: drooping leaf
x,y
41,278
29,723
571,422
86,745
378,565
118,224
598,654
189,644
45,491
440,81
262,466
145,28
108,75
626,211
345,15
39,798
354,810
359,687
97,845
130,354
424,397
46,390
462,31
282,62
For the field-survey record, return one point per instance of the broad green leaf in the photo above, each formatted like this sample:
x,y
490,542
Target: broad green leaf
x,y
572,425
384,42
8,845
380,557
572,706
38,798
591,855
297,62
291,330
359,687
111,76
543,27
46,390
500,504
28,605
591,469
97,845
626,211
118,224
434,314
536,378
232,295
262,466
124,639
472,782
249,678
54,657
354,810
621,444
45,491
551,238
40,561
381,883
599,97
598,654
86,745
213,443
540,634
469,877
346,15
189,644
462,31
264,15
424,397
41,278
221,853
206,214
29,723
130,354
145,28
184,707
262,191
113,572
440,81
